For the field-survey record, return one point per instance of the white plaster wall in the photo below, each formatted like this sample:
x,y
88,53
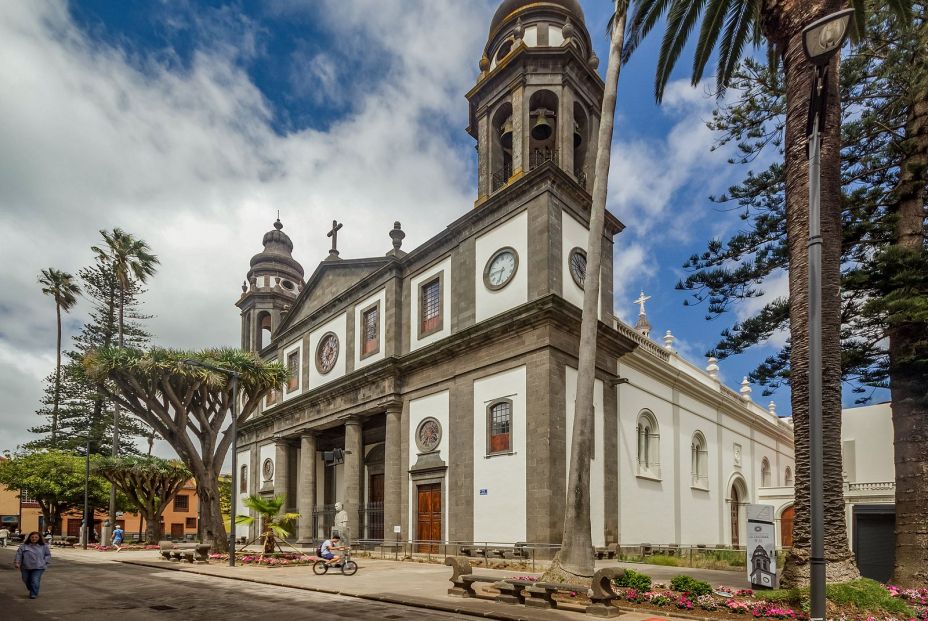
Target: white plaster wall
x,y
298,347
573,235
435,405
646,506
267,451
512,233
338,325
699,509
870,429
244,459
414,341
597,465
502,475
380,296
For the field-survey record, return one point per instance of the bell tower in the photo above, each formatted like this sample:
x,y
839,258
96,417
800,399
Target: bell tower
x,y
538,97
270,288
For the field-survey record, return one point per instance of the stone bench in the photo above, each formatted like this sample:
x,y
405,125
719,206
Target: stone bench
x,y
512,590
184,551
601,594
463,578
608,552
541,594
64,542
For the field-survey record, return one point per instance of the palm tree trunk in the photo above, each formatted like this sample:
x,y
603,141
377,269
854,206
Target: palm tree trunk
x,y
908,353
112,508
799,72
57,378
575,558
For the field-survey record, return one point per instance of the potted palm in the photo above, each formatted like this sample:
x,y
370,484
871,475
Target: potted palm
x,y
274,524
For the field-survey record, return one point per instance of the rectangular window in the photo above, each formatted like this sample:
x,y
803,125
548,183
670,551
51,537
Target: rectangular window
x,y
293,367
181,503
191,523
272,397
370,335
430,307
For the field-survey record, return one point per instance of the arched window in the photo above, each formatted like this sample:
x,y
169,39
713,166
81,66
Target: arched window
x,y
499,427
788,477
649,456
700,461
243,479
765,473
264,330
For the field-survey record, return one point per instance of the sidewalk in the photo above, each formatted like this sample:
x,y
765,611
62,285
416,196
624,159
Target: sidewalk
x,y
408,583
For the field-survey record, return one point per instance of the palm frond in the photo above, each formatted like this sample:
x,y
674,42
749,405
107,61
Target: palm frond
x,y
708,35
247,520
680,21
737,28
647,14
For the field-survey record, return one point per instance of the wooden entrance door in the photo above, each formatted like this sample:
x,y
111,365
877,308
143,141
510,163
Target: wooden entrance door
x,y
735,526
428,518
375,507
786,527
177,531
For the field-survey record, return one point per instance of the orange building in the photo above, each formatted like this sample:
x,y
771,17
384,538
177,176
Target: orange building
x,y
179,519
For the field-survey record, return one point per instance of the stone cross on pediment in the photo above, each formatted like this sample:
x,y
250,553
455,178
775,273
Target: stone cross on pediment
x,y
333,251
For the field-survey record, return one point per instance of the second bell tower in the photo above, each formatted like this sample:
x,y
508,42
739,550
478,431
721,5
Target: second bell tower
x,y
538,97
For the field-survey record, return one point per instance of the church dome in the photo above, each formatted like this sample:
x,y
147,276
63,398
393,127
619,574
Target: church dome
x,y
276,258
509,8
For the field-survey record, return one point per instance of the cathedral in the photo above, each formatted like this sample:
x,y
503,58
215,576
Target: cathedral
x,y
432,388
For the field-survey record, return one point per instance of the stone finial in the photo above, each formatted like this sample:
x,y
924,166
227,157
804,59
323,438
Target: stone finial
x,y
484,63
772,408
397,235
668,341
713,367
745,389
593,61
518,31
244,286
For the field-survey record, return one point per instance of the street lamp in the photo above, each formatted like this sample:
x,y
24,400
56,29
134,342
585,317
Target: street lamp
x,y
821,40
233,378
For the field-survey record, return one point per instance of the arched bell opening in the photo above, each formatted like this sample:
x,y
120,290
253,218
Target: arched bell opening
x,y
501,146
542,133
580,143
264,330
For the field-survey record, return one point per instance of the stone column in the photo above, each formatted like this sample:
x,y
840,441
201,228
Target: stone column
x,y
281,467
353,456
519,137
565,130
392,473
483,157
306,497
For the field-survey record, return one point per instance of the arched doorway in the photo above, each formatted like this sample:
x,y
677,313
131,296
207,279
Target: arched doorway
x,y
786,526
735,523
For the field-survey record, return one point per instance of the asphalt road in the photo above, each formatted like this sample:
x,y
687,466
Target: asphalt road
x,y
111,591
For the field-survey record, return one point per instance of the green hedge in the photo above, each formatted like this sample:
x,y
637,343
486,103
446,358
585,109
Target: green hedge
x,y
631,579
688,584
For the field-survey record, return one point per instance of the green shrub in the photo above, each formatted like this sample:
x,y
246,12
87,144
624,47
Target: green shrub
x,y
631,579
688,584
662,559
866,595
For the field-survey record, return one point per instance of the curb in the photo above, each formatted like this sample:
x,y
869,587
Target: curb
x,y
386,599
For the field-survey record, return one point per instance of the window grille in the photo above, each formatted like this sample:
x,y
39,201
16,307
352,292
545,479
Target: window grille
x,y
182,503
431,306
371,324
500,427
293,367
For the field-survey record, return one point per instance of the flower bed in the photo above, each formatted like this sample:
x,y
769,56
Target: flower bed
x,y
286,559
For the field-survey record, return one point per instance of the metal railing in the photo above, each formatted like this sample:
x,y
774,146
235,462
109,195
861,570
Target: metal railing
x,y
499,178
323,521
370,520
539,156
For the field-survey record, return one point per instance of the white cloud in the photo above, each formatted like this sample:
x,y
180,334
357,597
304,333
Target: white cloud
x,y
93,136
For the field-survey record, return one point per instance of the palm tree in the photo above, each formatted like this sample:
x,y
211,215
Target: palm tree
x,y
274,524
61,286
131,260
729,25
575,558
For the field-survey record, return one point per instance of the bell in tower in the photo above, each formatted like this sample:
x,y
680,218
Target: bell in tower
x,y
538,98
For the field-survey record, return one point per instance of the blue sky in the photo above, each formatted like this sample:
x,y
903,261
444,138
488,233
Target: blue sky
x,y
190,123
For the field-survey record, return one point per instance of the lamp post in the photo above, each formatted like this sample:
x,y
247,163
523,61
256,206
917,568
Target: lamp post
x,y
821,40
233,378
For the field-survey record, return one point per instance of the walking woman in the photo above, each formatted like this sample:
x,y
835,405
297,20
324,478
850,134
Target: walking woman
x,y
32,560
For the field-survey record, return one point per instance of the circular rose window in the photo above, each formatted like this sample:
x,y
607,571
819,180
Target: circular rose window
x,y
428,435
327,352
267,469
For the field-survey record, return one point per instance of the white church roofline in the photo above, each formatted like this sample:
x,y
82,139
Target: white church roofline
x,y
680,373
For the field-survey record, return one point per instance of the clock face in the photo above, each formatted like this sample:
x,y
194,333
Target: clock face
x,y
327,353
577,265
500,268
